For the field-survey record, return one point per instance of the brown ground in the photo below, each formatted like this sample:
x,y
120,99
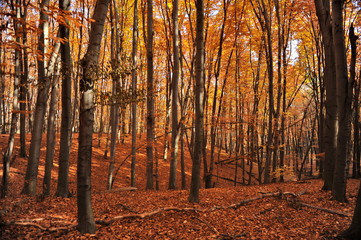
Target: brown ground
x,y
266,218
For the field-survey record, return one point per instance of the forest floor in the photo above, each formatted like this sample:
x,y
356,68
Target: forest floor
x,y
271,211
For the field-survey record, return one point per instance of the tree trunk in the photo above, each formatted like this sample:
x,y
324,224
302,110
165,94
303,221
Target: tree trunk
x,y
66,118
356,134
86,222
134,92
354,231
344,99
40,108
199,98
114,107
2,88
14,116
324,19
23,85
214,116
150,96
50,137
114,122
175,80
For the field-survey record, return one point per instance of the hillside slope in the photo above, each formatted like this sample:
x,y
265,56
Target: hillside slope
x,y
226,212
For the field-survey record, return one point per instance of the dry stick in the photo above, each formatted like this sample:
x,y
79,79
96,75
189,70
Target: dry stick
x,y
48,229
122,189
325,210
146,214
209,226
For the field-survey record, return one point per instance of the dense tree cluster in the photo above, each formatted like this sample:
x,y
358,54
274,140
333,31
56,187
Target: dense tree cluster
x,y
274,84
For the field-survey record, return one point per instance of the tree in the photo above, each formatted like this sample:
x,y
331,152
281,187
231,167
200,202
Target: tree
x,y
324,18
114,111
50,136
198,104
344,99
15,112
264,17
354,231
40,108
86,222
134,90
65,132
214,115
175,80
150,95
24,78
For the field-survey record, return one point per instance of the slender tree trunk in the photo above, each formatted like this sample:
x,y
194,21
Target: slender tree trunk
x,y
75,79
50,137
150,96
270,136
175,80
14,116
23,86
114,122
40,108
199,98
344,99
214,116
264,16
356,134
134,92
324,19
65,131
183,170
86,222
114,108
2,88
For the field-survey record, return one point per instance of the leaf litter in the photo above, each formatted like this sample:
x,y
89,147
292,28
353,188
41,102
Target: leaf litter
x,y
270,211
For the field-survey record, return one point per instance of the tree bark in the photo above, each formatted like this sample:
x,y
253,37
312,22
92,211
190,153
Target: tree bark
x,y
150,96
50,137
344,99
199,98
134,93
86,222
324,18
40,108
23,85
114,108
354,231
66,118
15,111
175,80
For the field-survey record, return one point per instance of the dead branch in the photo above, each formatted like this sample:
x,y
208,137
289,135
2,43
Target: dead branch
x,y
227,179
208,225
325,210
32,224
122,189
146,214
126,208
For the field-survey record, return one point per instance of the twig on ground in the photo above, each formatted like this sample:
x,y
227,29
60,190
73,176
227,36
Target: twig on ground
x,y
208,225
325,210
